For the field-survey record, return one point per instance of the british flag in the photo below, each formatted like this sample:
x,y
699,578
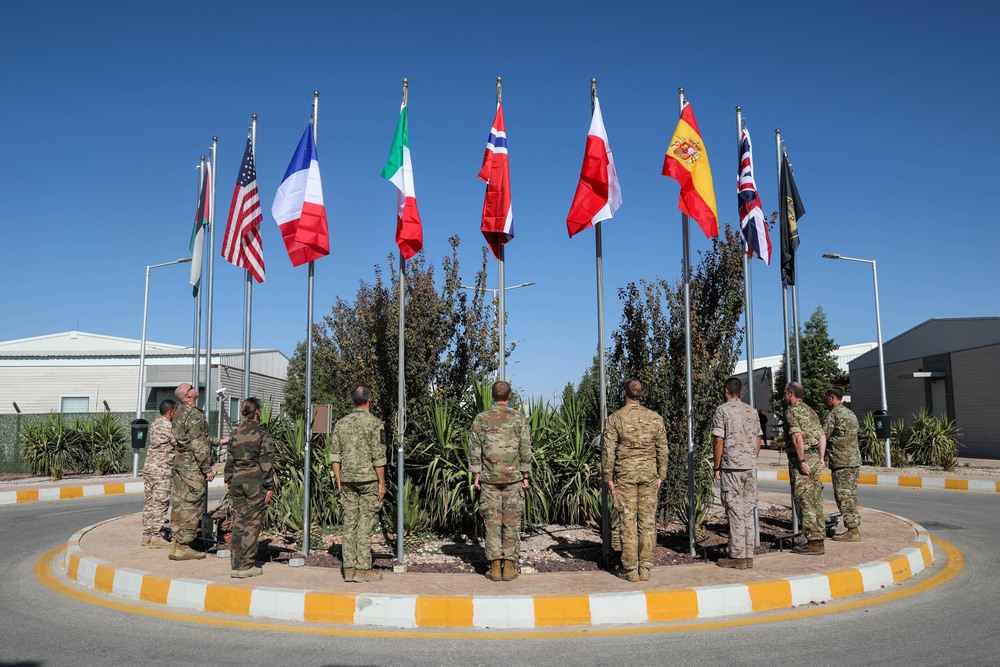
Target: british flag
x,y
498,220
753,227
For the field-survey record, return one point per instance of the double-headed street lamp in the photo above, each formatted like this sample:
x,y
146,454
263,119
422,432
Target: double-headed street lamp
x,y
881,357
501,320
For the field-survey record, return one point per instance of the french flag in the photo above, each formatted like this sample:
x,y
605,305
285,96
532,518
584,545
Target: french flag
x,y
298,206
498,220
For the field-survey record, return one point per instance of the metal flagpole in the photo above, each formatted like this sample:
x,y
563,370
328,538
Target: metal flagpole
x,y
782,220
210,233
603,373
197,301
501,309
748,304
309,346
401,398
249,286
687,363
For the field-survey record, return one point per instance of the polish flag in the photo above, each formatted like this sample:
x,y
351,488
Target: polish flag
x,y
598,194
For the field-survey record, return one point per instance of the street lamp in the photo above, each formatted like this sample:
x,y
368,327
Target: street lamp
x,y
495,291
881,357
501,320
142,353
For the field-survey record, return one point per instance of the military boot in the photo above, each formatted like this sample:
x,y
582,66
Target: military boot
x,y
852,535
157,542
509,571
180,551
643,574
749,563
629,575
810,548
249,572
495,572
349,574
733,563
361,576
145,541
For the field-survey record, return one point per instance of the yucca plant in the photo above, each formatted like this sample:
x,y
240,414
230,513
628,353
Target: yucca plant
x,y
285,511
873,448
440,467
933,441
52,447
104,442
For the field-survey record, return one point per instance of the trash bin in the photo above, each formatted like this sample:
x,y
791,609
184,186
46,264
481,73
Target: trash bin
x,y
882,428
140,433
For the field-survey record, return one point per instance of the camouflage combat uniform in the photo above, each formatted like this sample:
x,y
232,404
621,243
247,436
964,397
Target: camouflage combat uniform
x,y
500,451
845,461
358,444
635,456
193,460
807,489
250,475
156,475
739,427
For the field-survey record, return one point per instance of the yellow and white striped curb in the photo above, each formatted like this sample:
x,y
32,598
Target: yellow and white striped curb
x,y
86,491
498,612
907,481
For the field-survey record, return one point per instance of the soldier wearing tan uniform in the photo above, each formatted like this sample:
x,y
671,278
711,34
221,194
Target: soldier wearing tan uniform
x,y
736,441
156,473
500,461
357,456
635,463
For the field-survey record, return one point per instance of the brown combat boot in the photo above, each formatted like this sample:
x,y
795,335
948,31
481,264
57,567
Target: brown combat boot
x,y
361,576
495,572
643,574
810,548
508,571
852,535
733,563
180,551
749,563
349,574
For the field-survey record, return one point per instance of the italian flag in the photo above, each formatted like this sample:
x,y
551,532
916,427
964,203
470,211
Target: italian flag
x,y
399,170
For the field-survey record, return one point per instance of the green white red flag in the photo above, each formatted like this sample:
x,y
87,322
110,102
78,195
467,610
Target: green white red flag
x,y
399,171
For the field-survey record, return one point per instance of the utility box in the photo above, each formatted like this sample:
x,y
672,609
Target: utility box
x,y
140,433
882,426
322,418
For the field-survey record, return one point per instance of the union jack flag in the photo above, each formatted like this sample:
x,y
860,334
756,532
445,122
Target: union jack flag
x,y
242,243
753,227
498,220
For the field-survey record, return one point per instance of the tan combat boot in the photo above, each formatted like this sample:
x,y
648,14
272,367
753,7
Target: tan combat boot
x,y
249,572
157,542
145,541
643,574
349,574
509,571
810,548
362,576
495,573
180,551
733,563
749,563
852,535
629,575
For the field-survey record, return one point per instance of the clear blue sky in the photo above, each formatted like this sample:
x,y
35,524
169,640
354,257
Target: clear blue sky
x,y
888,110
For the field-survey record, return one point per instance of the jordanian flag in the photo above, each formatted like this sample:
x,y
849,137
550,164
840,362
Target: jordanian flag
x,y
399,170
201,218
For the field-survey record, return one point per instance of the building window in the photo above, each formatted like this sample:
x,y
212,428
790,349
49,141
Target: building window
x,y
234,410
75,404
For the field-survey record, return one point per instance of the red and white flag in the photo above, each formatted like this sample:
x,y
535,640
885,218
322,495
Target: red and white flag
x,y
598,195
298,205
498,219
242,244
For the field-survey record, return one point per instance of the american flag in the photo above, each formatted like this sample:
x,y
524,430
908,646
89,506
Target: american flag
x,y
242,243
752,225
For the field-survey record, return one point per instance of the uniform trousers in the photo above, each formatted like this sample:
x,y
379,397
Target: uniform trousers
x,y
739,497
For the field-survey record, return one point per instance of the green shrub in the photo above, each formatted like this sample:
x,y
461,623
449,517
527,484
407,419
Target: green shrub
x,y
53,447
104,445
933,441
873,448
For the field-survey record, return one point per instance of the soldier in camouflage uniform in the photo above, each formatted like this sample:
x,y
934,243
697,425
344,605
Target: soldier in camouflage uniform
x,y
500,461
736,441
156,476
845,461
250,476
357,455
806,449
192,471
635,464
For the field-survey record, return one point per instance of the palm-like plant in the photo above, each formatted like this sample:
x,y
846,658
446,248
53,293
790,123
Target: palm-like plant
x,y
52,447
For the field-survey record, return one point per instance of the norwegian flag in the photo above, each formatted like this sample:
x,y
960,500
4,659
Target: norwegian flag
x,y
752,225
498,220
242,243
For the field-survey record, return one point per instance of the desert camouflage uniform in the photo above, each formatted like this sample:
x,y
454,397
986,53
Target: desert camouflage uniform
x,y
807,489
500,451
250,475
192,462
845,461
635,456
739,427
156,473
358,444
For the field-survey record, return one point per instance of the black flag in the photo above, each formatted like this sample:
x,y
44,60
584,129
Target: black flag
x,y
790,209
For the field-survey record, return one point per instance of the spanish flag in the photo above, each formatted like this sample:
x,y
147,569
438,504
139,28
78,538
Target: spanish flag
x,y
687,163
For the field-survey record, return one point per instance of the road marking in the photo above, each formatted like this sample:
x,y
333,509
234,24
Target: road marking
x,y
952,567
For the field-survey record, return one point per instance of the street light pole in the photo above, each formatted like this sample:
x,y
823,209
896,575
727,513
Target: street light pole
x,y
502,363
881,357
142,354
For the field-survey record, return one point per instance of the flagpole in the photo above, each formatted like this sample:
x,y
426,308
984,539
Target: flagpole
x,y
783,221
401,380
309,345
602,364
501,309
210,233
197,300
748,304
249,287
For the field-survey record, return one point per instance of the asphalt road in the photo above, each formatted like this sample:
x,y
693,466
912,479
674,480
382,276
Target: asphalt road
x,y
952,624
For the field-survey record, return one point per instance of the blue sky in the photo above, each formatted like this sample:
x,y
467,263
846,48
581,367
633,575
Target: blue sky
x,y
888,111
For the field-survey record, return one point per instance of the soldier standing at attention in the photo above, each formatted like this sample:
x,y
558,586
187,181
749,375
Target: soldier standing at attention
x,y
806,450
250,476
736,441
635,463
357,455
841,428
156,476
500,460
192,471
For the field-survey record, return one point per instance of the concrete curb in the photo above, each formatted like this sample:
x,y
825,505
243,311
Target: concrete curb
x,y
906,481
498,612
85,491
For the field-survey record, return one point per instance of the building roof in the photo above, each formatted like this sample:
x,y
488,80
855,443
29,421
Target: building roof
x,y
940,335
844,355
